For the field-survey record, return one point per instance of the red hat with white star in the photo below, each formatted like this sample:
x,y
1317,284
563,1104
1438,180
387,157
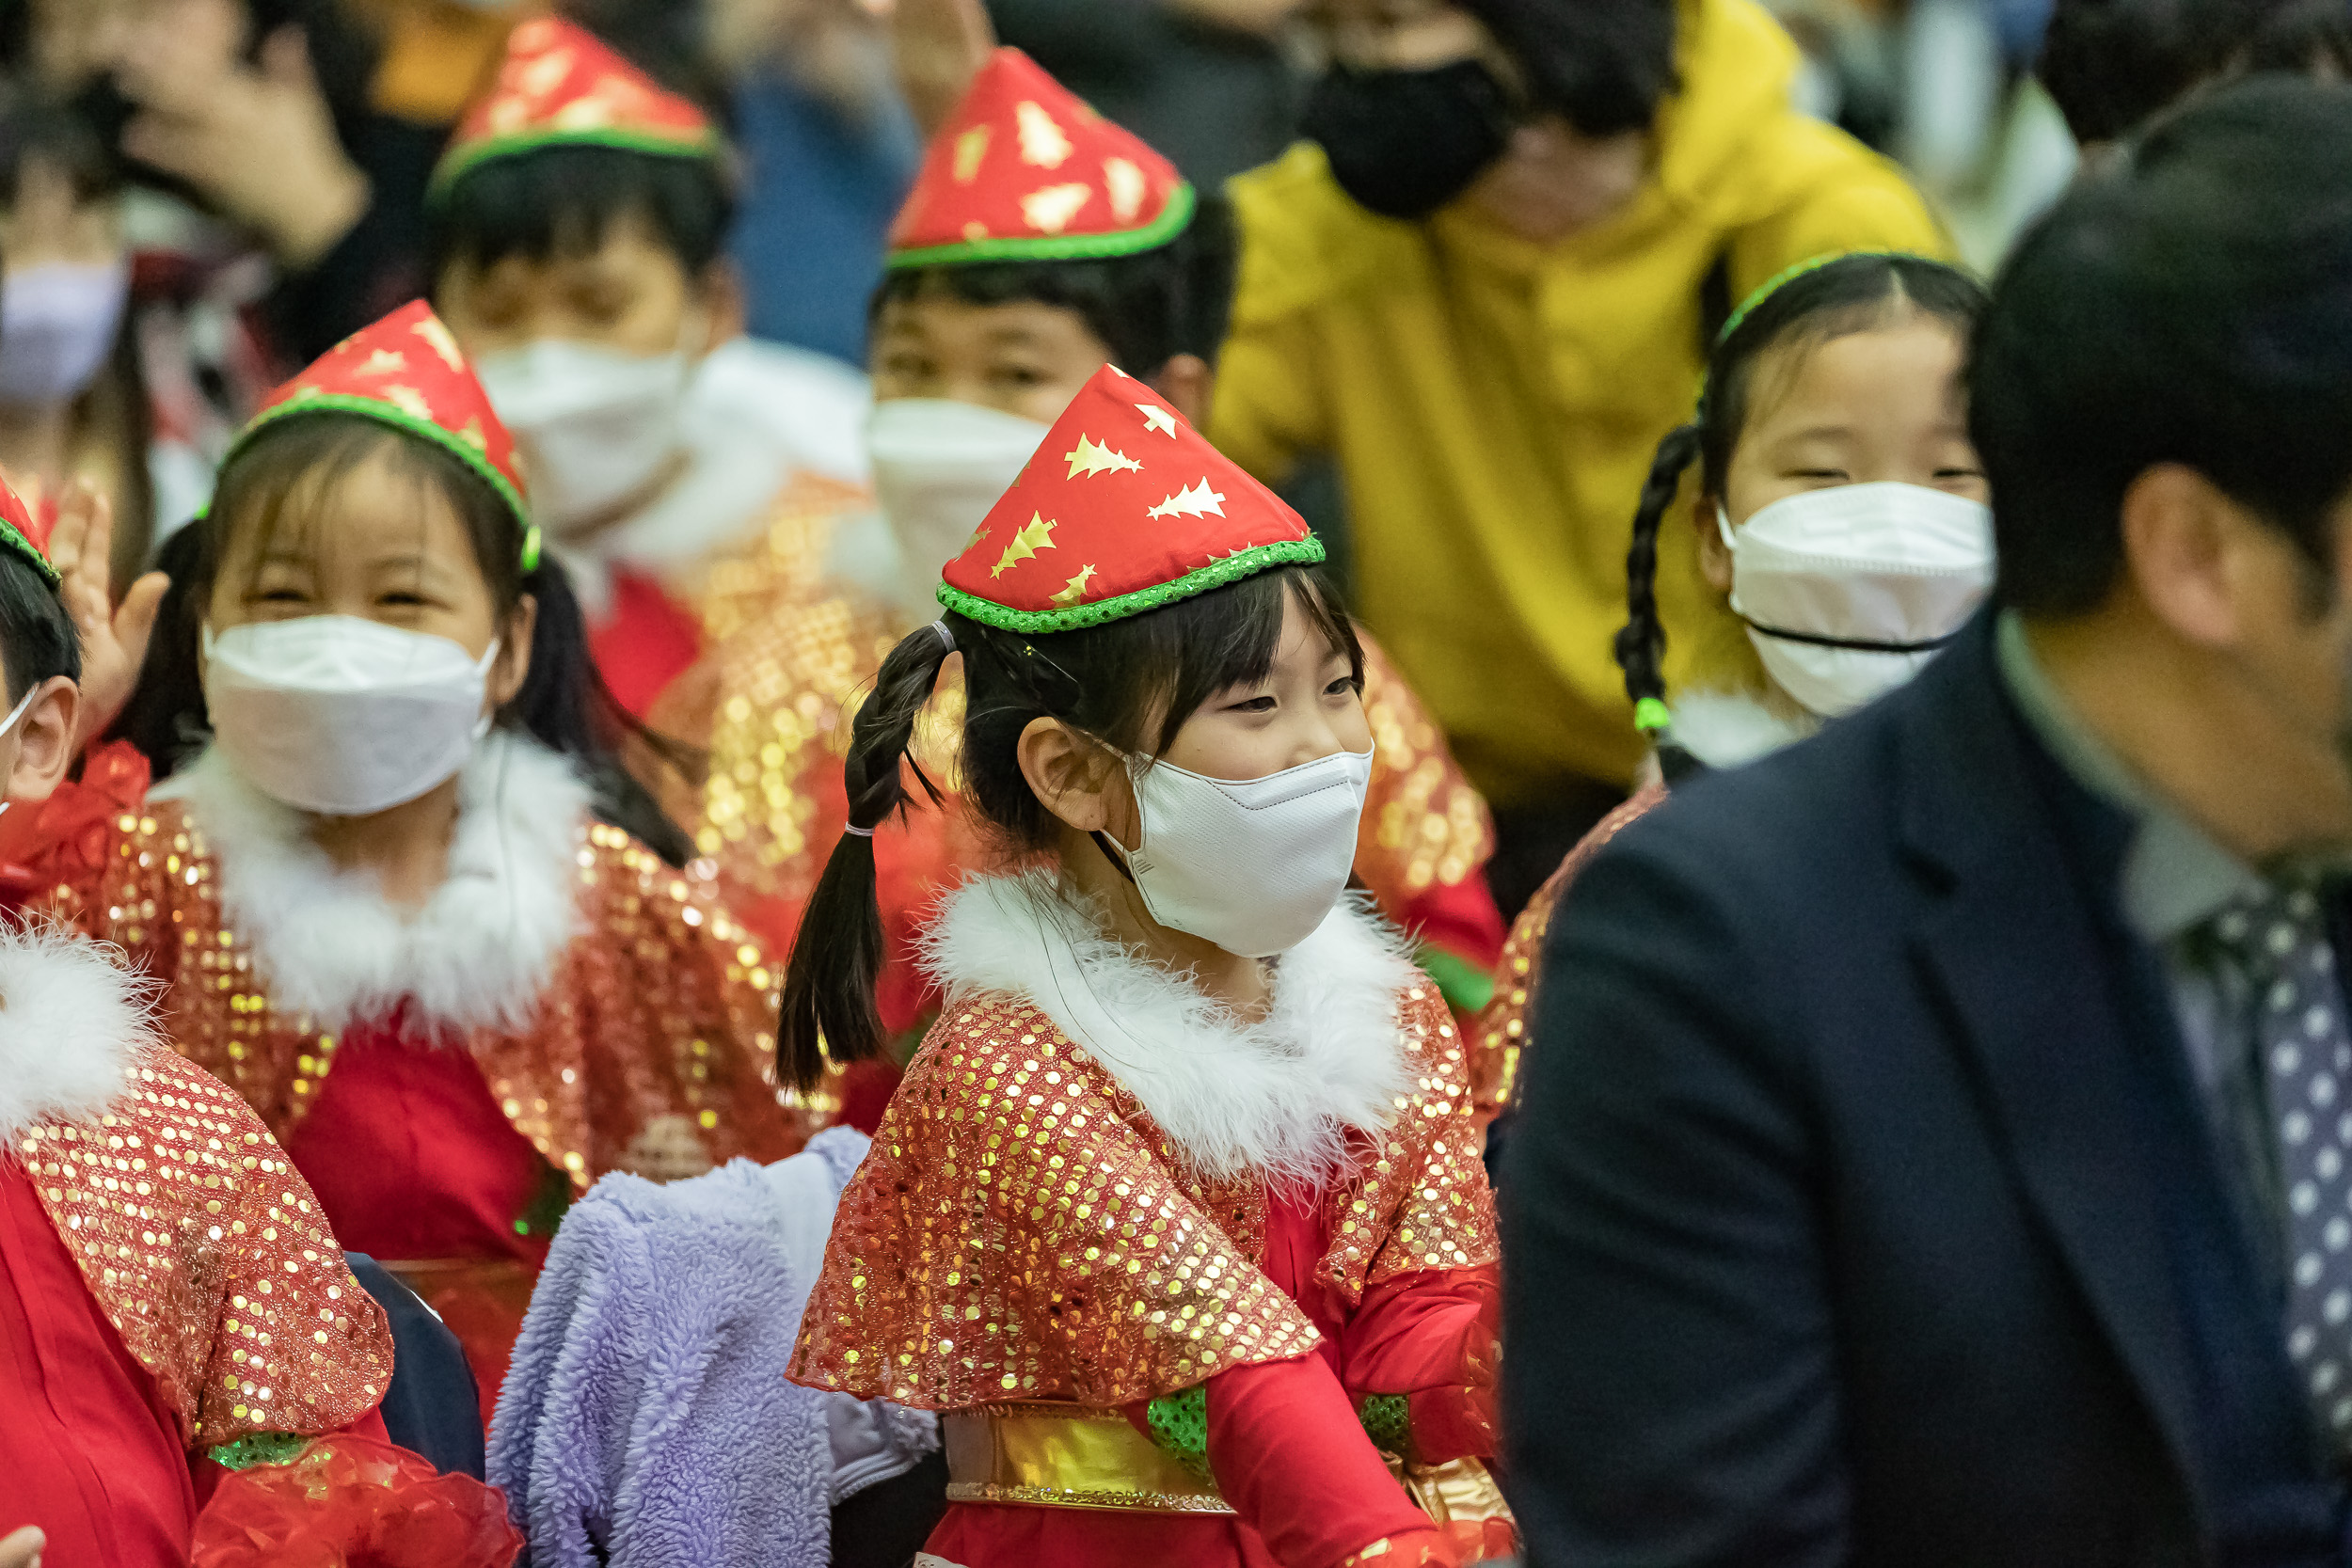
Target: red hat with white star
x,y
404,372
1026,171
560,84
1124,508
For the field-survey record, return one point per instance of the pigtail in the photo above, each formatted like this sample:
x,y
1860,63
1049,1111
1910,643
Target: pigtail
x,y
829,1012
1641,645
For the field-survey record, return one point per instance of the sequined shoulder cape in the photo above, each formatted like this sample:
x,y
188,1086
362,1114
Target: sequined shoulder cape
x,y
1022,1230
658,1021
208,1254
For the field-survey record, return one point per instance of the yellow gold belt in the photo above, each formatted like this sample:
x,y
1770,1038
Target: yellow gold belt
x,y
1067,1456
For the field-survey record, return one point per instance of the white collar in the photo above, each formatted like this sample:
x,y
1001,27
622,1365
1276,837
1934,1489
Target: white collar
x,y
1729,729
73,1022
329,945
1276,1097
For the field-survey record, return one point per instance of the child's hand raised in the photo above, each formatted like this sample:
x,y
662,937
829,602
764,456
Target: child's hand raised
x,y
114,637
21,1548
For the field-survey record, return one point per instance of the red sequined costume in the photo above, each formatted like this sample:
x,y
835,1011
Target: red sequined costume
x,y
1099,1208
173,1307
772,708
565,1005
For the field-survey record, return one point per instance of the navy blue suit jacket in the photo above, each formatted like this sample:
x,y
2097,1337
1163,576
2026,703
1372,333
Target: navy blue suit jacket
x,y
1862,1208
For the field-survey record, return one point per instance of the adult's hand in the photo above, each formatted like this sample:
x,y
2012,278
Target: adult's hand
x,y
21,1548
257,139
939,46
114,637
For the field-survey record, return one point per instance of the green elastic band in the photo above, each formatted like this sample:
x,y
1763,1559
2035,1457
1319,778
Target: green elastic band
x,y
384,413
13,538
531,545
1180,1424
1216,574
263,1447
1787,275
1651,714
1056,247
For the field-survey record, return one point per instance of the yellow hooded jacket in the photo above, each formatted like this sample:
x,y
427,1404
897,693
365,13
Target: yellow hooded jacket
x,y
1494,405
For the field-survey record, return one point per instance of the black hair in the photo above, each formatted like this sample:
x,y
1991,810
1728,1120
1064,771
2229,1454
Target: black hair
x,y
2190,303
2308,37
560,201
1130,684
563,704
2113,64
32,126
1146,308
36,636
1852,293
1603,65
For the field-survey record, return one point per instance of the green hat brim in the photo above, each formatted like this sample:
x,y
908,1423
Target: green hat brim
x,y
1200,579
1181,202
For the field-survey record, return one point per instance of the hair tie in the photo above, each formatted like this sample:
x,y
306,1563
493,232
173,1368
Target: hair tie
x,y
947,635
1651,714
858,833
532,542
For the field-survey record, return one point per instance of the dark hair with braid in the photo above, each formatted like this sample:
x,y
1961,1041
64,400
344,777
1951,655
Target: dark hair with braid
x,y
1860,292
1130,684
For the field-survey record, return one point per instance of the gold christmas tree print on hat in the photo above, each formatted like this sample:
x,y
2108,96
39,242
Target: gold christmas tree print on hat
x,y
1124,508
1024,170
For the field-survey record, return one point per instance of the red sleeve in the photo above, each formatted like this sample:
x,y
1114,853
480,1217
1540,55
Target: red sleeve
x,y
351,1496
66,838
1433,1336
1290,1456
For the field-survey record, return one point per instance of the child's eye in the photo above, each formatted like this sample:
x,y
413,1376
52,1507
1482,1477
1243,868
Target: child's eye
x,y
1826,476
1018,376
1944,474
1254,705
1346,686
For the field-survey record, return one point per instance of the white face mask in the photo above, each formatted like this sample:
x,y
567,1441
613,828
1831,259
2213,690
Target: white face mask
x,y
341,716
1848,592
57,325
1253,866
596,425
938,466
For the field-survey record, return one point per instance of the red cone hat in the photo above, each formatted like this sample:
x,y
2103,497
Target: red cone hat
x,y
1026,171
1124,508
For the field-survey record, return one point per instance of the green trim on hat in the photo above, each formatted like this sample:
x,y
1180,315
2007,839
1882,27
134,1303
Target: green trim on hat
x,y
462,161
13,538
1787,275
1058,247
399,418
1216,574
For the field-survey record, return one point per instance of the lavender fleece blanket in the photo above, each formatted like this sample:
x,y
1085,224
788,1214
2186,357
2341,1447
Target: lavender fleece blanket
x,y
646,1422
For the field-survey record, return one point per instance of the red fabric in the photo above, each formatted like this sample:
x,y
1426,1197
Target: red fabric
x,y
1292,1458
348,1501
646,640
560,82
1122,496
1022,163
408,364
412,1160
90,1448
1432,1337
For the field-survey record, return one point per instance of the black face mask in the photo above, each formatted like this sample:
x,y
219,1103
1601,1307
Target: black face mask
x,y
1404,143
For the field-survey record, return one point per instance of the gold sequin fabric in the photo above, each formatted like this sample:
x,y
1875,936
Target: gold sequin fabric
x,y
1499,1033
1424,825
660,1016
209,1255
1021,1231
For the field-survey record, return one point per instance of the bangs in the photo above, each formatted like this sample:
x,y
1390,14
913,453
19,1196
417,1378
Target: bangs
x,y
560,203
1234,644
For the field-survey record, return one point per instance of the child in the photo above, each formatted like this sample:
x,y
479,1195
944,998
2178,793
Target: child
x,y
394,902
1842,511
577,224
174,1309
979,345
1184,1176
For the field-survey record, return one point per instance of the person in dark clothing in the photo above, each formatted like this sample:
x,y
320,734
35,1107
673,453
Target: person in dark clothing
x,y
1932,1152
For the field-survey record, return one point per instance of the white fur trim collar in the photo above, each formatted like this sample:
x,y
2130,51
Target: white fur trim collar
x,y
480,952
73,1022
1729,729
1275,1098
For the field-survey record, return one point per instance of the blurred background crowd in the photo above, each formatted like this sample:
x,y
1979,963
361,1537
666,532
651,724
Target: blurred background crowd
x,y
202,195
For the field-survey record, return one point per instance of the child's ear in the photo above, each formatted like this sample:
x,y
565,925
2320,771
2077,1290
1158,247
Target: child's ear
x,y
721,296
1187,382
1714,555
1070,774
513,666
45,741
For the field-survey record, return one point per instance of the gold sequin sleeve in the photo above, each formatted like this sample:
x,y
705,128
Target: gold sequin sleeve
x,y
1499,1033
1423,1203
209,1255
1018,1232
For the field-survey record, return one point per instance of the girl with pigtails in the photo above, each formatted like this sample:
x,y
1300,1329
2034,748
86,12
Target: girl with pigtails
x,y
1178,1218
1841,511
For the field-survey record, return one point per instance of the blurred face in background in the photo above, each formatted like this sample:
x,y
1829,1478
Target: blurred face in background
x,y
66,282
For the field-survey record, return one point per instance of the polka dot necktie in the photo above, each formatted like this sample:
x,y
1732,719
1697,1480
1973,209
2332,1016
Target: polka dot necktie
x,y
2306,1048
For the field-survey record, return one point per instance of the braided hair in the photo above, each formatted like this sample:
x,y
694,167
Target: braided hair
x,y
1805,307
1130,684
